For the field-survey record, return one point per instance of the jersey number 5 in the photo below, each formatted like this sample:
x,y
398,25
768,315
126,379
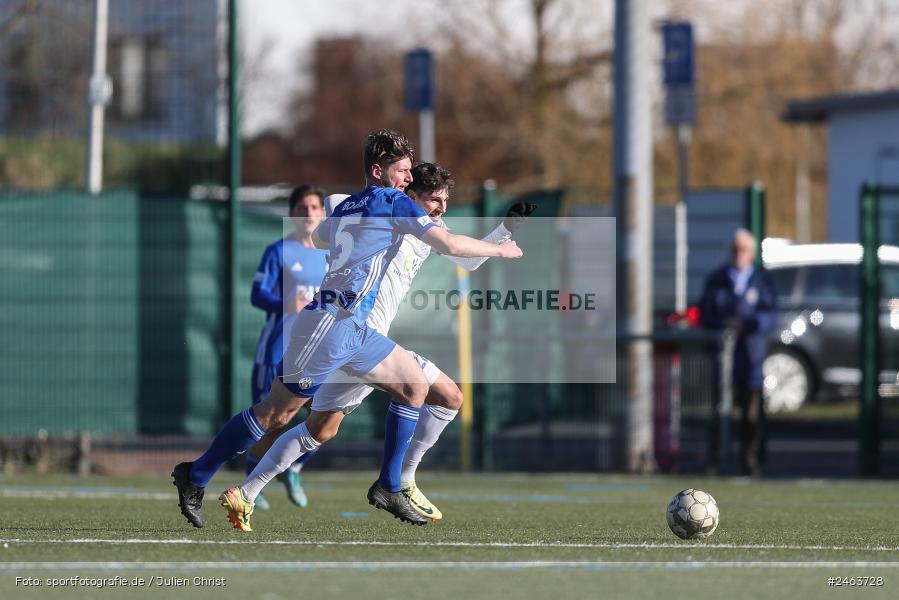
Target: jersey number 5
x,y
343,241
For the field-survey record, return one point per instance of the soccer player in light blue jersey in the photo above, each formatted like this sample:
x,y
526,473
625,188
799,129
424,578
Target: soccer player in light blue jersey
x,y
289,276
430,188
364,234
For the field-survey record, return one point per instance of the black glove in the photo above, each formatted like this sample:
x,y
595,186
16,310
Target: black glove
x,y
518,212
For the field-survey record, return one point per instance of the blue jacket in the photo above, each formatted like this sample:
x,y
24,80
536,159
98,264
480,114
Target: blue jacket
x,y
755,309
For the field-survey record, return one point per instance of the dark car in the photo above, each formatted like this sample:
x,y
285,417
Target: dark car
x,y
814,348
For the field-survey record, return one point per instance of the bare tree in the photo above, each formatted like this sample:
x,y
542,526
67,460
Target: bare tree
x,y
525,93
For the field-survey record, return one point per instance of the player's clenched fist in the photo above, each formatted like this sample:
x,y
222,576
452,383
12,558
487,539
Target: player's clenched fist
x,y
510,249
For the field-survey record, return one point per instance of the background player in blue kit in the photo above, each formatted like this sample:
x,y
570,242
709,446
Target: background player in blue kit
x,y
288,277
331,334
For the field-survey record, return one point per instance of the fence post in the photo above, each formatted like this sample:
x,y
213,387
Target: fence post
x,y
83,454
869,411
230,396
486,397
466,371
755,216
726,406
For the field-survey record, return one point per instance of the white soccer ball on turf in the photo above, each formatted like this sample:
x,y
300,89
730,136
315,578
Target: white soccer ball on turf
x,y
692,514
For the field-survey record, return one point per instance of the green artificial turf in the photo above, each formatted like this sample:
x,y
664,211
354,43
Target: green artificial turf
x,y
554,536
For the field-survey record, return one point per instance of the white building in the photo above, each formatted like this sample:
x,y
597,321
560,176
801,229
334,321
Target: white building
x,y
862,145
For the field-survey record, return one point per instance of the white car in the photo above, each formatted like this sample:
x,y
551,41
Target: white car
x,y
814,348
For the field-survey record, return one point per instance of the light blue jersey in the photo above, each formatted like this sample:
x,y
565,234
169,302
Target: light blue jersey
x,y
365,232
287,269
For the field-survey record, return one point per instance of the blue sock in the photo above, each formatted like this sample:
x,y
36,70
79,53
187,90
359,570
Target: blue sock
x,y
237,436
398,429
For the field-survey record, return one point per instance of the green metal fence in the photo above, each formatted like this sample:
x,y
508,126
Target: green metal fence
x,y
113,320
878,416
111,313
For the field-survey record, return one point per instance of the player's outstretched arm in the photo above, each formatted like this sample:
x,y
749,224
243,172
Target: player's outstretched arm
x,y
516,215
461,245
500,235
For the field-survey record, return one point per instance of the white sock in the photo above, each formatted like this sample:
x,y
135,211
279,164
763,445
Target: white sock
x,y
288,448
295,467
431,423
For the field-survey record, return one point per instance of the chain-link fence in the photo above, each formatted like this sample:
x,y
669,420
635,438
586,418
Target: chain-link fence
x,y
111,324
111,317
112,307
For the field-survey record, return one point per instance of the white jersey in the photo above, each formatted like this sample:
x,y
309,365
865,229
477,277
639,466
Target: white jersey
x,y
397,282
343,392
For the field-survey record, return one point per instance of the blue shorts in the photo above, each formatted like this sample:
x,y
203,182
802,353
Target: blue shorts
x,y
323,340
261,381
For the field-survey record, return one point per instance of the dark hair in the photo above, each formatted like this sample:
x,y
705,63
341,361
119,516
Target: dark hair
x,y
301,191
385,146
428,178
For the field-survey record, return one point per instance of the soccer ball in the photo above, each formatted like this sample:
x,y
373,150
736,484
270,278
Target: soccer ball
x,y
692,514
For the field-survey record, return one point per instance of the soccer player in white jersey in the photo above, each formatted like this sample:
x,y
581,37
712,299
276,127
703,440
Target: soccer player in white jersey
x,y
430,189
363,235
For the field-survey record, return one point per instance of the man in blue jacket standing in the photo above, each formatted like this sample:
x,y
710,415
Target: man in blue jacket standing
x,y
740,297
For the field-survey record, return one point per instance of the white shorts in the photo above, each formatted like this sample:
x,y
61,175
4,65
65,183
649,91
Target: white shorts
x,y
343,392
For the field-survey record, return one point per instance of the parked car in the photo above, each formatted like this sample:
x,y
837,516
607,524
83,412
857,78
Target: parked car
x,y
814,347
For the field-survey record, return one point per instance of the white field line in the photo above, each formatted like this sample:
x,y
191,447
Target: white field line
x,y
427,565
98,494
373,543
